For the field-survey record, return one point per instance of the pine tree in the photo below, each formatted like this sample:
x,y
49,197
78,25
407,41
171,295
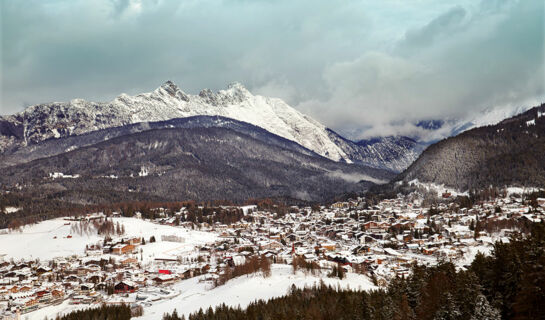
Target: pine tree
x,y
484,311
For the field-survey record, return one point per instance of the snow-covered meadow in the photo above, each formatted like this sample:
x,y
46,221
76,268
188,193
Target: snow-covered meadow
x,y
49,239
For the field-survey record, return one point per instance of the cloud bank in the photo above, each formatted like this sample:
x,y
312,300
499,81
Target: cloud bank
x,y
363,68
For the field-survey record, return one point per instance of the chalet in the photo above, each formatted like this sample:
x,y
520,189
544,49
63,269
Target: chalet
x,y
83,271
331,246
87,287
187,274
57,294
135,241
30,305
339,205
42,270
123,248
43,296
94,278
164,279
129,261
271,245
125,287
372,225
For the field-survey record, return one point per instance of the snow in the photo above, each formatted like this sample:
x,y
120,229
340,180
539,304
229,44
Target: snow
x,y
31,241
439,188
60,175
143,172
169,102
11,209
521,190
188,296
248,208
244,290
52,311
56,133
471,252
531,122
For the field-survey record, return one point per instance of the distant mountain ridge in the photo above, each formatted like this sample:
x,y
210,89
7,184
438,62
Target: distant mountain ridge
x,y
194,161
52,147
394,152
63,119
511,152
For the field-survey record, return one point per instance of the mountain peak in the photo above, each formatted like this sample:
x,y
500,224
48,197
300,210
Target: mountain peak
x,y
173,90
238,89
236,86
235,93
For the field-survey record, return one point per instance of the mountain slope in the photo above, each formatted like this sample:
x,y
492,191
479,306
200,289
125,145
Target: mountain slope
x,y
199,163
509,153
52,147
56,120
393,153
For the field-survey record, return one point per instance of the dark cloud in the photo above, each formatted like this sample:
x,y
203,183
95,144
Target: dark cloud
x,y
440,27
361,67
119,6
455,66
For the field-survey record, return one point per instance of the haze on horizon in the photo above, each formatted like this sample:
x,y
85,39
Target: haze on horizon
x,y
363,68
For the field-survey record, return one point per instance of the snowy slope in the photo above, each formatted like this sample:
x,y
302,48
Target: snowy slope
x,y
245,289
52,234
192,294
55,120
393,153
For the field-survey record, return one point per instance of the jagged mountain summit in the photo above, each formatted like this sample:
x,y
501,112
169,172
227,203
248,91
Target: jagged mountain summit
x,y
54,120
62,119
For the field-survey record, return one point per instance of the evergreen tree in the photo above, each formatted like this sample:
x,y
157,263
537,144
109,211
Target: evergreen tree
x,y
484,311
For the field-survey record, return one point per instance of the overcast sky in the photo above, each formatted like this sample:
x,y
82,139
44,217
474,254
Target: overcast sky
x,y
360,67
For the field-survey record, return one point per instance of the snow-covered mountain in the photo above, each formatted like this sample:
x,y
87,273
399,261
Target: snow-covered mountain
x,y
395,153
62,119
54,120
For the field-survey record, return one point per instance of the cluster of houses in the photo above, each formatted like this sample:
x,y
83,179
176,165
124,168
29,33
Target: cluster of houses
x,y
382,241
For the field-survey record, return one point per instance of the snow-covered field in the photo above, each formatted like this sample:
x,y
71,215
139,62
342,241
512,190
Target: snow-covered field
x,y
48,239
190,295
244,290
51,312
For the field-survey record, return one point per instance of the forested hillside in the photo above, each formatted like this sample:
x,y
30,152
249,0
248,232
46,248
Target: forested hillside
x,y
509,153
181,164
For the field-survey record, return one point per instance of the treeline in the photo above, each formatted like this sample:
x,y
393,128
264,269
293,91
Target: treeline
x,y
252,264
104,227
276,205
105,312
300,263
33,210
508,284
